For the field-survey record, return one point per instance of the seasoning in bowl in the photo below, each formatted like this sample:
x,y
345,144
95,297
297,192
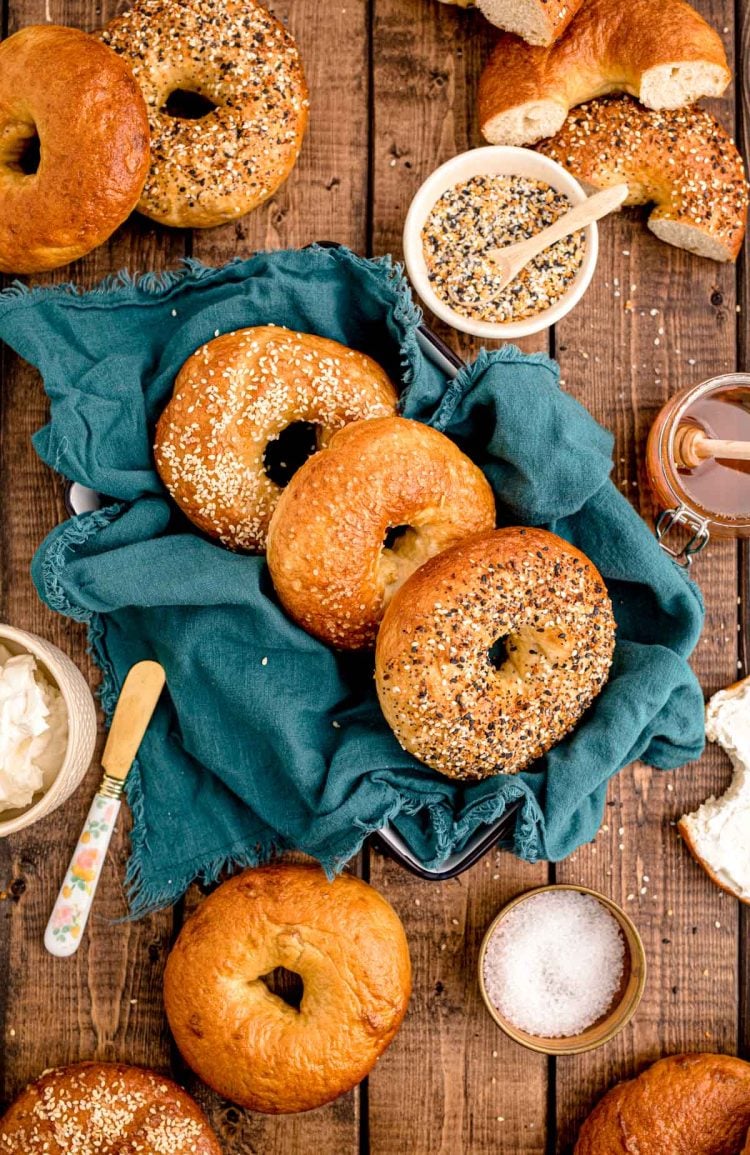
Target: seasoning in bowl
x,y
33,730
554,964
491,212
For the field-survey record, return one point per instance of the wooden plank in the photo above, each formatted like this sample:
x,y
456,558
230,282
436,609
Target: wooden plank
x,y
105,1002
623,364
451,1081
325,198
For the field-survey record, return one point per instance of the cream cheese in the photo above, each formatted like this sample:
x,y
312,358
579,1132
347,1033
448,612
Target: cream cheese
x,y
33,730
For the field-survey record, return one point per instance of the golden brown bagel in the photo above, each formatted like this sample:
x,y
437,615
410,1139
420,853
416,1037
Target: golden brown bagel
x,y
243,62
333,568
469,714
341,938
233,399
681,161
665,54
536,21
683,1105
105,1109
82,103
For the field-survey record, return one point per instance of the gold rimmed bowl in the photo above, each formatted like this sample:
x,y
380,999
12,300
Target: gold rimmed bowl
x,y
623,1005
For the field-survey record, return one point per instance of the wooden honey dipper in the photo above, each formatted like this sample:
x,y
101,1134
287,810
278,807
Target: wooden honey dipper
x,y
692,447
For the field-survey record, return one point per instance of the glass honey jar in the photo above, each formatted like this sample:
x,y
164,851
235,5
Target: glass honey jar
x,y
710,496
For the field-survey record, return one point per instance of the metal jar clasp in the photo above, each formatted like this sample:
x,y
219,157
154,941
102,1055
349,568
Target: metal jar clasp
x,y
682,516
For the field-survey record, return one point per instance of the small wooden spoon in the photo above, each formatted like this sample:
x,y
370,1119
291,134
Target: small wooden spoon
x,y
509,261
692,448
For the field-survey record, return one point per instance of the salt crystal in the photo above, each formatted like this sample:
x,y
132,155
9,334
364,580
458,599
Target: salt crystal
x,y
554,964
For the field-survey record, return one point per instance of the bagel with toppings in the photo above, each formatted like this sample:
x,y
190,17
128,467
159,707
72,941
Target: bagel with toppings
x,y
63,95
243,406
241,68
489,654
358,518
665,54
344,942
681,161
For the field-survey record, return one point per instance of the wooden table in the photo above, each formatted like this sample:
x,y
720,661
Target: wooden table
x,y
393,94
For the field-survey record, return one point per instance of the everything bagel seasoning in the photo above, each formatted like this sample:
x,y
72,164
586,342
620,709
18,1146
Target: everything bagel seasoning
x,y
490,212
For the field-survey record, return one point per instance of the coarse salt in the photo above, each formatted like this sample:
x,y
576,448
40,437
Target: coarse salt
x,y
554,964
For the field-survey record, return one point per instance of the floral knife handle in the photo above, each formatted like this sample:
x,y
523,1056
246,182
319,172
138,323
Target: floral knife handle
x,y
71,910
135,706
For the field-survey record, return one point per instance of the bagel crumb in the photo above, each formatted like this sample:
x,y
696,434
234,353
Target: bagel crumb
x,y
488,212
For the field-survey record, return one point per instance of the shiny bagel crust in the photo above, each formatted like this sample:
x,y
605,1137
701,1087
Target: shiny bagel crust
x,y
344,941
684,1105
443,697
238,56
85,107
105,1109
235,396
327,552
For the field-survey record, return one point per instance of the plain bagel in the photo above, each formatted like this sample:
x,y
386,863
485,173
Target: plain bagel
x,y
235,400
362,515
342,939
665,54
244,65
67,96
536,21
105,1109
681,161
684,1105
489,654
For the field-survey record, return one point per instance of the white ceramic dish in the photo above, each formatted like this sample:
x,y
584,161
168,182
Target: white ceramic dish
x,y
495,160
81,711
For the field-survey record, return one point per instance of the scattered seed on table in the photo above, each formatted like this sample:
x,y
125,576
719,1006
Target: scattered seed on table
x,y
488,212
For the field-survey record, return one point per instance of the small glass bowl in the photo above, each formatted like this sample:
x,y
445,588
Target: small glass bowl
x,y
623,1006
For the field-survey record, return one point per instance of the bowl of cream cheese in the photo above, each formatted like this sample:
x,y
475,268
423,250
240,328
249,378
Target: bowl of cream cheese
x,y
47,728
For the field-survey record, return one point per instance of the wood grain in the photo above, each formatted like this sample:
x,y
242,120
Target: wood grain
x,y
654,321
451,1081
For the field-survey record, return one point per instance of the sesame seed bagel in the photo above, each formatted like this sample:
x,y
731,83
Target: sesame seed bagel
x,y
233,399
489,654
357,519
105,1109
346,944
681,161
75,102
240,59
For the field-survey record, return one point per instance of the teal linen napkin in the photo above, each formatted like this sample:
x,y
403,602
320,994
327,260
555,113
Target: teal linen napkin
x,y
268,740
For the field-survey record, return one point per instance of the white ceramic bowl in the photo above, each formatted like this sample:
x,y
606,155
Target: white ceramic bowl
x,y
495,160
81,711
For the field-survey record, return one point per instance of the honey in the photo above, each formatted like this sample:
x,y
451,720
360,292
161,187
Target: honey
x,y
712,499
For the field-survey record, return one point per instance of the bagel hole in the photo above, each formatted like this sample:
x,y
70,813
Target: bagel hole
x,y
498,653
30,155
393,535
286,453
186,105
286,985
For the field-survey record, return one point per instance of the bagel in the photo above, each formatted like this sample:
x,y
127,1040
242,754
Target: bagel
x,y
536,21
681,161
340,938
74,147
105,1109
665,54
361,516
219,161
233,401
489,654
683,1105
